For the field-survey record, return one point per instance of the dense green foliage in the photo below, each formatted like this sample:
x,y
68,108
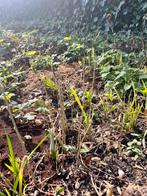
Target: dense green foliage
x,y
111,15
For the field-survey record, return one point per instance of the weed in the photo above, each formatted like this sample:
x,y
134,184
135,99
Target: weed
x,y
41,62
84,114
12,119
49,84
59,190
130,115
88,97
107,102
120,76
53,147
136,146
144,92
17,168
74,50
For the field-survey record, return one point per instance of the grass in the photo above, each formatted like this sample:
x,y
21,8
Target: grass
x,y
130,116
16,167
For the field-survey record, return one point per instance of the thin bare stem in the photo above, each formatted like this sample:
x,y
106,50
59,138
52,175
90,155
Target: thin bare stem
x,y
62,114
13,121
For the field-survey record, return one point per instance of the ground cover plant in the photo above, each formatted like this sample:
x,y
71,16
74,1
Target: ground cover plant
x,y
73,100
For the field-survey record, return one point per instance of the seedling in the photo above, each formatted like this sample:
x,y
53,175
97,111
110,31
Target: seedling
x,y
41,62
77,99
107,103
130,115
144,92
53,147
59,191
136,146
16,167
49,84
88,97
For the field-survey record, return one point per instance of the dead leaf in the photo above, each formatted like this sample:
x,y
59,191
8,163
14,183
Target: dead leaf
x,y
109,192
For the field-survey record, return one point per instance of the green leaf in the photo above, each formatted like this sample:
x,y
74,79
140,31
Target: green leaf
x,y
2,194
122,74
50,84
42,109
9,96
127,87
14,165
67,38
59,190
30,53
39,104
84,150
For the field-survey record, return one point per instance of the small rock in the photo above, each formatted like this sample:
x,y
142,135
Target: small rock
x,y
28,137
87,194
38,122
77,185
36,193
121,174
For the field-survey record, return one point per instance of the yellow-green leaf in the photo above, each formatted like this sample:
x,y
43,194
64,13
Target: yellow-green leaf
x,y
31,53
67,38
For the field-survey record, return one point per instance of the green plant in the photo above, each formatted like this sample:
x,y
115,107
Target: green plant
x,y
41,62
74,50
17,168
88,97
9,78
84,114
144,92
7,193
119,75
41,107
12,118
135,149
107,102
30,53
50,84
137,145
59,190
130,115
53,147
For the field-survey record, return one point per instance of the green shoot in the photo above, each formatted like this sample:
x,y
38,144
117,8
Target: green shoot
x,y
130,115
49,83
85,117
59,190
53,147
144,92
16,167
88,97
